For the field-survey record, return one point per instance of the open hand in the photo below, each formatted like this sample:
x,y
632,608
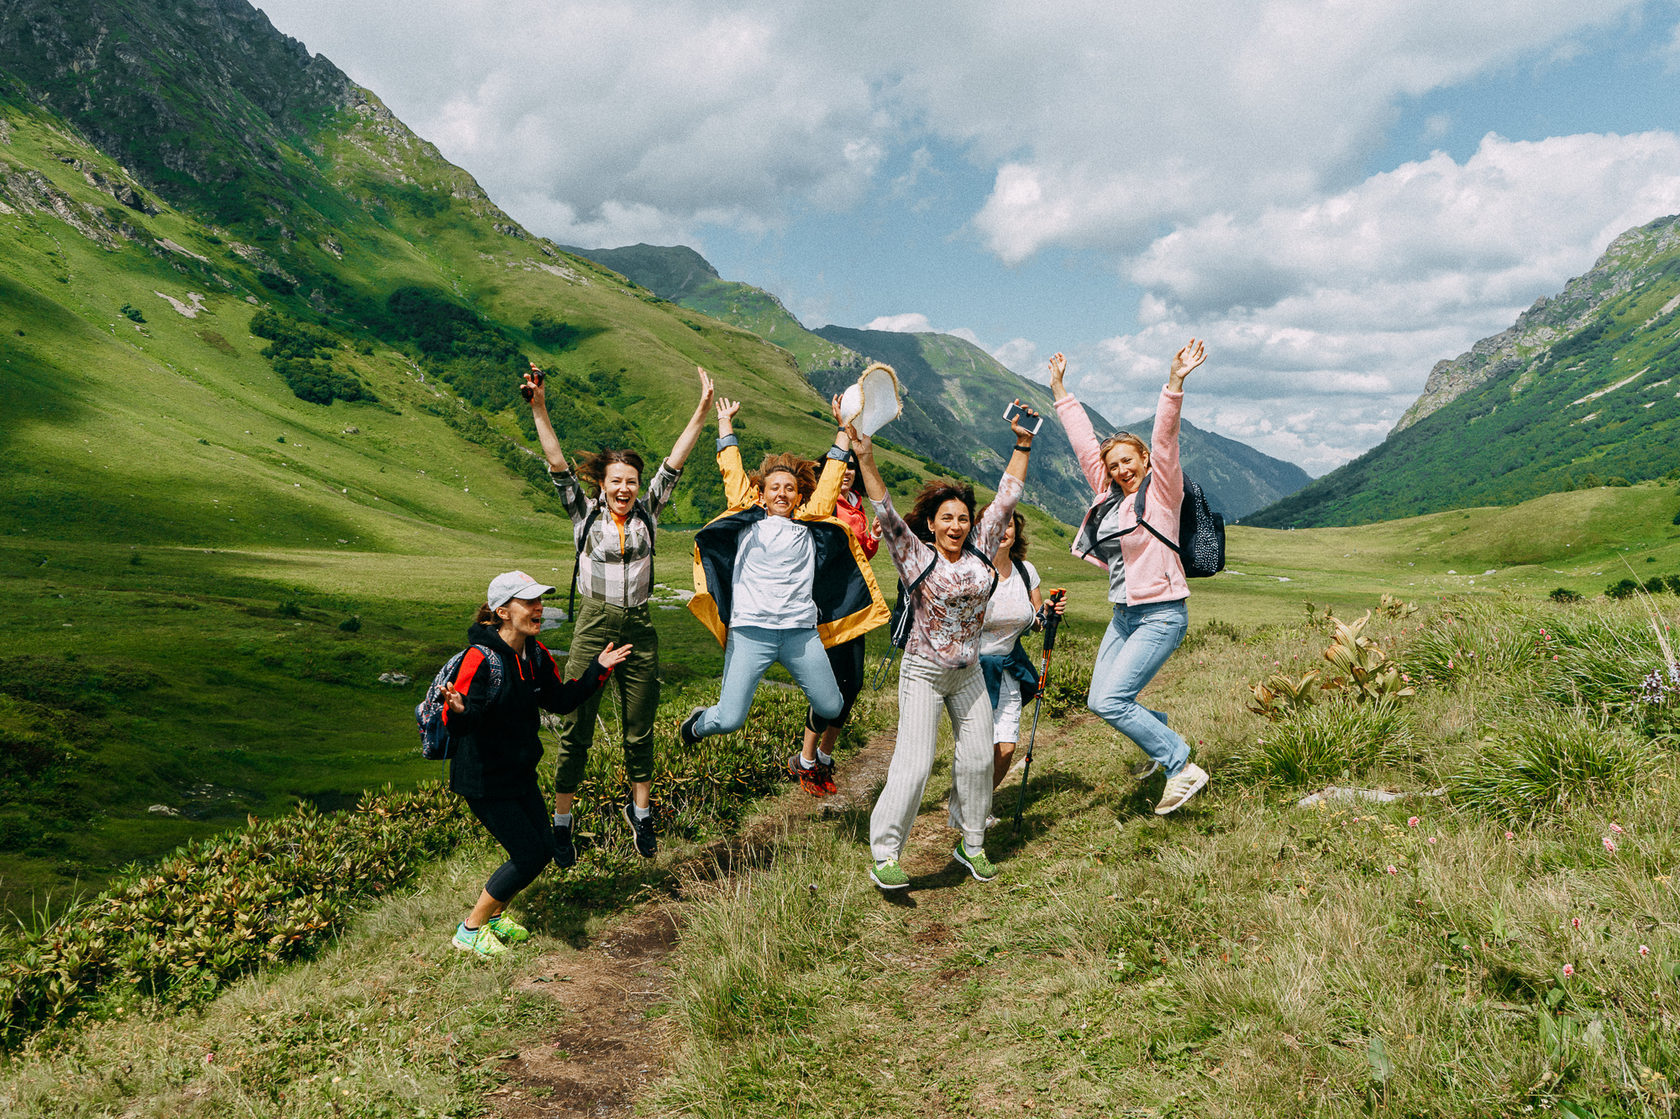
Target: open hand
x,y
454,700
1192,355
614,655
834,409
726,409
1058,369
705,389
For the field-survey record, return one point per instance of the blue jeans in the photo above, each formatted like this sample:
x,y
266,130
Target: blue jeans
x,y
1138,642
748,653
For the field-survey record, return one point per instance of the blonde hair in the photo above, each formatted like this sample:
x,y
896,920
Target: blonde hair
x,y
1115,440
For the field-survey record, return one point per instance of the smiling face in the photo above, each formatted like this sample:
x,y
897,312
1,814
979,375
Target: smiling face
x,y
620,485
1006,542
521,617
1126,466
781,494
848,480
950,524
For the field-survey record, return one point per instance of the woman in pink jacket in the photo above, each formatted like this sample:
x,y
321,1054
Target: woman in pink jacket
x,y
1145,577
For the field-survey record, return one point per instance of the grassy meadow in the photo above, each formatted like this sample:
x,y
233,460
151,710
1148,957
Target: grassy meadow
x,y
1243,956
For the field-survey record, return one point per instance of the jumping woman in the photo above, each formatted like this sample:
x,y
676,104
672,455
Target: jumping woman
x,y
777,578
492,710
813,766
1146,578
613,533
940,552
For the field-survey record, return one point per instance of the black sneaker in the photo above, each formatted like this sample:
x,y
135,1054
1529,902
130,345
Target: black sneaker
x,y
647,842
565,851
686,730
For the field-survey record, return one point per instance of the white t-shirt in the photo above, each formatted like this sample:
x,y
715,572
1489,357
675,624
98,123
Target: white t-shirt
x,y
775,561
1009,614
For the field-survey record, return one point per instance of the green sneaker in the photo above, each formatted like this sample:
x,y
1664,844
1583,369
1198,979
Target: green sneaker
x,y
889,875
976,862
507,930
480,941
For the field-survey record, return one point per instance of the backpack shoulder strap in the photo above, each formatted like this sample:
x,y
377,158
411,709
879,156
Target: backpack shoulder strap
x,y
579,541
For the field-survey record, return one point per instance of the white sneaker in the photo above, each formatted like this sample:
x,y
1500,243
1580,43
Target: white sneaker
x,y
1179,789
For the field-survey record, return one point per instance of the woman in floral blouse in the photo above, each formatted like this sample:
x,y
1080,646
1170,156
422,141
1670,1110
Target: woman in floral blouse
x,y
939,550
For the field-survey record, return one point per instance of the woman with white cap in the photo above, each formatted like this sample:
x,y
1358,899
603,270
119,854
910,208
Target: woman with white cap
x,y
491,711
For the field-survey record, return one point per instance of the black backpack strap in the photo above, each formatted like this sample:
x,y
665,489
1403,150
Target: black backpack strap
x,y
579,541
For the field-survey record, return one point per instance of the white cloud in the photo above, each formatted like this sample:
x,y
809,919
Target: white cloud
x,y
1021,355
1347,301
913,322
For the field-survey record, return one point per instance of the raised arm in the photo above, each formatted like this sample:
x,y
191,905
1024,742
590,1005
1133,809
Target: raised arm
x,y
1078,427
691,434
737,489
1058,370
909,555
827,494
532,389
1017,467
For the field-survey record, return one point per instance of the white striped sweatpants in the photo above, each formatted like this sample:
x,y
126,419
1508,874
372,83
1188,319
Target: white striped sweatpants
x,y
923,687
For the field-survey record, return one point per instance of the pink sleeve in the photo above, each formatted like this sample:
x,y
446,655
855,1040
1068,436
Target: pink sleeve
x,y
990,529
1166,483
1078,427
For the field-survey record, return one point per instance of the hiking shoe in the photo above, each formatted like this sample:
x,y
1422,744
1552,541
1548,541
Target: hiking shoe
x,y
480,941
809,779
889,875
825,775
976,862
507,930
686,730
1179,789
565,851
647,841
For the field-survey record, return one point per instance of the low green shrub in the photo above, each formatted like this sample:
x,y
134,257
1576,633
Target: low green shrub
x,y
1549,762
1563,596
1623,588
183,929
1338,739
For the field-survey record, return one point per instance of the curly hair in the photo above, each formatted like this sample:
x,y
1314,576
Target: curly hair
x,y
804,473
928,501
1017,547
593,468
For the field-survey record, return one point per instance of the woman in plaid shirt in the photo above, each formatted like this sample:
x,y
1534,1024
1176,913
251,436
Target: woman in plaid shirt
x,y
614,536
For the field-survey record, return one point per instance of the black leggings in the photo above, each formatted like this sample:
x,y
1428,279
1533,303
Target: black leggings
x,y
846,659
521,824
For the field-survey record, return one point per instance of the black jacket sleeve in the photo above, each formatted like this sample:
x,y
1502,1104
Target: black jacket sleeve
x,y
561,696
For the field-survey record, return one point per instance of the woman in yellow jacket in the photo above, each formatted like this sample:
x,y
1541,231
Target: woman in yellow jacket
x,y
777,578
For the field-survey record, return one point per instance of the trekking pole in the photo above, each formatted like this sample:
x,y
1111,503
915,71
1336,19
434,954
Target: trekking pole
x,y
1051,621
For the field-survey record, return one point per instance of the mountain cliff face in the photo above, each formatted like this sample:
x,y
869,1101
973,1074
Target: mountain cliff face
x,y
1580,392
1550,319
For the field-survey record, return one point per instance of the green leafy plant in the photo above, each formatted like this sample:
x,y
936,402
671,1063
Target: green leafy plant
x,y
1548,762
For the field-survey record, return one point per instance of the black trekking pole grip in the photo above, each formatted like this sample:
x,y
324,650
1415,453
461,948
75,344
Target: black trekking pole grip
x,y
1052,620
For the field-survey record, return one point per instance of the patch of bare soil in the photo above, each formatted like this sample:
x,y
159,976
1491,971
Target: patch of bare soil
x,y
600,1064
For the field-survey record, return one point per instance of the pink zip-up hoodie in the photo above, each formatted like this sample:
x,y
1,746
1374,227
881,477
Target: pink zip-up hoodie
x,y
1154,572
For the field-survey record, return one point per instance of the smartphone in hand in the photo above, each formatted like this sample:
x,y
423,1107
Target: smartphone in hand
x,y
1021,414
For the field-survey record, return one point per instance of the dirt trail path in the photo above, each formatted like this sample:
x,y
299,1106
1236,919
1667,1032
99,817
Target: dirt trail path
x,y
601,1063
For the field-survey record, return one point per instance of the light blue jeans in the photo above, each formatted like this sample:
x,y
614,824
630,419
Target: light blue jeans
x,y
1138,642
748,653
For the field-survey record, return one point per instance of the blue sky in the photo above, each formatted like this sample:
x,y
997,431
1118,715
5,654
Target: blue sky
x,y
1336,195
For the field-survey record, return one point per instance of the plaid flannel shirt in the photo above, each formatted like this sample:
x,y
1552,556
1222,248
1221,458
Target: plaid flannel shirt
x,y
615,564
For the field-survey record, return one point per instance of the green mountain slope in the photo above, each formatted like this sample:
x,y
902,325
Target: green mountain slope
x,y
1579,392
259,347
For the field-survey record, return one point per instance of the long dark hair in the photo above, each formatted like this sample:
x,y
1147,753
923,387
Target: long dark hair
x,y
1018,547
928,501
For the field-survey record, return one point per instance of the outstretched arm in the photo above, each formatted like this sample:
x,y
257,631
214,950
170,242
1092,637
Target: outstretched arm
x,y
1192,355
738,491
1023,447
691,434
1058,370
533,390
864,447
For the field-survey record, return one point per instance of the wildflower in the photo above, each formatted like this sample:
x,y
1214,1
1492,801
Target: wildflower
x,y
1617,828
1568,970
1412,823
1575,923
1432,839
1510,835
1644,949
210,1057
1610,845
1554,656
1391,869
1449,662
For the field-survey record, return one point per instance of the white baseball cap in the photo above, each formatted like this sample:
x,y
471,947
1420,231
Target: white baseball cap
x,y
514,584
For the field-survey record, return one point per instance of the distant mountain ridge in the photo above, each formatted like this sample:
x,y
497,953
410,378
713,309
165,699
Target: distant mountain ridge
x,y
955,391
1580,391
